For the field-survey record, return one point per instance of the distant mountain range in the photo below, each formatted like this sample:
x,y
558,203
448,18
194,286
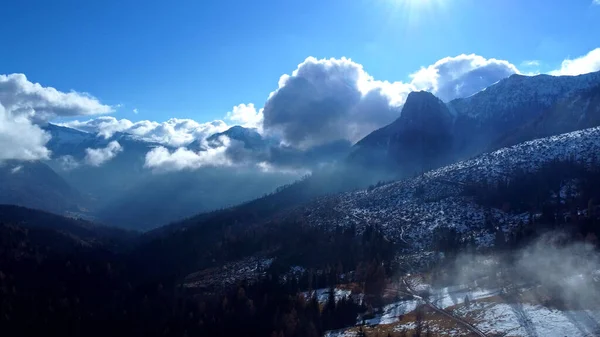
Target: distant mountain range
x,y
428,134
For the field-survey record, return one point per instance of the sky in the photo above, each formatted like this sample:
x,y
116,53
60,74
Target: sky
x,y
198,59
308,72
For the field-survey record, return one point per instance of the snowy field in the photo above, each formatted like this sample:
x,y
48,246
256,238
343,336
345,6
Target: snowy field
x,y
531,320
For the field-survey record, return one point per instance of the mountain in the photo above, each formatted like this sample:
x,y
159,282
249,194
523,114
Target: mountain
x,y
579,110
414,141
36,185
511,103
513,110
249,137
68,141
82,232
411,210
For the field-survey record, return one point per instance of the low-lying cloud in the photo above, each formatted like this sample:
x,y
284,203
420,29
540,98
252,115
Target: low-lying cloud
x,y
162,159
97,157
174,132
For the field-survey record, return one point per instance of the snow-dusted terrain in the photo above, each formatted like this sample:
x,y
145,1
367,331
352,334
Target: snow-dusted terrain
x,y
519,91
410,210
516,319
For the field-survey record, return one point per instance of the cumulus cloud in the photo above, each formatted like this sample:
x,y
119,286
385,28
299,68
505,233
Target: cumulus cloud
x,y
20,139
173,132
462,75
330,99
24,98
24,104
587,63
97,157
246,115
135,111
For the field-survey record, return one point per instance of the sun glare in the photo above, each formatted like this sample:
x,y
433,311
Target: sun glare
x,y
414,12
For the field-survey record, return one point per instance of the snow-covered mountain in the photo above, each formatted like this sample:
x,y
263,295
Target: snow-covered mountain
x,y
410,210
512,103
579,110
515,109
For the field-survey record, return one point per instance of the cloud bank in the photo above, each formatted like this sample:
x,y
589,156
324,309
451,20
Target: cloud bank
x,y
173,132
323,101
161,159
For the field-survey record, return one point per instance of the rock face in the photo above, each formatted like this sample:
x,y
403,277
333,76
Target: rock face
x,y
416,141
430,133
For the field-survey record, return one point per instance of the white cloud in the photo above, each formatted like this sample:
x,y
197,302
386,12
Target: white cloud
x,y
461,76
173,132
16,169
135,111
24,98
23,104
104,126
97,157
530,63
20,139
330,99
162,160
587,63
246,115
68,162
596,2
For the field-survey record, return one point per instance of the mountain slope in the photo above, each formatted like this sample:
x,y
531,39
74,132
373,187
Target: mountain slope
x,y
511,103
579,110
35,185
514,110
410,210
84,232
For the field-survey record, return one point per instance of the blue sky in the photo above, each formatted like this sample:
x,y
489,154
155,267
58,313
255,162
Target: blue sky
x,y
198,59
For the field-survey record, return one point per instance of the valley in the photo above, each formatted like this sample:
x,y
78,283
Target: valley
x,y
474,217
